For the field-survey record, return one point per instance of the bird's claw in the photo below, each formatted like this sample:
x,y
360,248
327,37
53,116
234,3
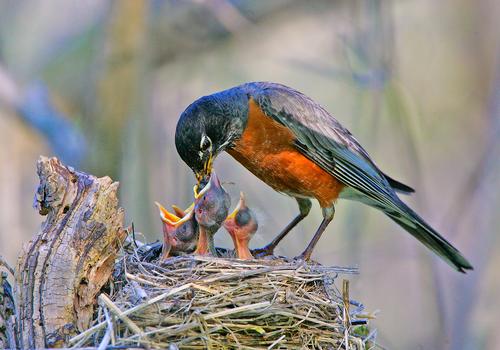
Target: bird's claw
x,y
302,258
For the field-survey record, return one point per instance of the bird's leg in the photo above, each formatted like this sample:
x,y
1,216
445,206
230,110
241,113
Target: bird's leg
x,y
304,207
328,214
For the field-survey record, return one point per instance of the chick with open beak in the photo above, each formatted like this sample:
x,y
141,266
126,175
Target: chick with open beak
x,y
211,206
241,225
180,231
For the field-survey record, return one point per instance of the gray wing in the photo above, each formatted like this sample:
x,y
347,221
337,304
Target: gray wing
x,y
321,138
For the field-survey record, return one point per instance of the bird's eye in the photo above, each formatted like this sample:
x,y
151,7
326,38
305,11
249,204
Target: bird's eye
x,y
206,143
243,217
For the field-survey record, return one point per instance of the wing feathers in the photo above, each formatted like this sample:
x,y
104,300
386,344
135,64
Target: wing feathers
x,y
321,138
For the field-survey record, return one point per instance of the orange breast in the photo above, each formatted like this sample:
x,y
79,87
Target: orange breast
x,y
266,148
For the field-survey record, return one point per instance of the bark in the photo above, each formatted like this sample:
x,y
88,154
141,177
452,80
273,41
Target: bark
x,y
63,268
7,319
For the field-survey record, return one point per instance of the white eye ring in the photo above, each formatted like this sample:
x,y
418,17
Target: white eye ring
x,y
205,143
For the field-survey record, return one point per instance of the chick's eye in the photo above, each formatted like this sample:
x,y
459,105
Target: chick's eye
x,y
242,218
207,201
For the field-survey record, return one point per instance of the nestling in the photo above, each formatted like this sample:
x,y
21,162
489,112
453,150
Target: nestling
x,y
241,225
180,234
211,206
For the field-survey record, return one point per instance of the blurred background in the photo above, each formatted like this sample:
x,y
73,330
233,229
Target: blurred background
x,y
101,84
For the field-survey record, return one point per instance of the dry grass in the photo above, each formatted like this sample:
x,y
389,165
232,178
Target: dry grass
x,y
194,302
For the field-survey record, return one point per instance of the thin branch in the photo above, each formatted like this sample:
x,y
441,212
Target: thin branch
x,y
4,263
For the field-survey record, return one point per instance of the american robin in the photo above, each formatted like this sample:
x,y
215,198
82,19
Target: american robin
x,y
241,225
298,148
211,206
180,233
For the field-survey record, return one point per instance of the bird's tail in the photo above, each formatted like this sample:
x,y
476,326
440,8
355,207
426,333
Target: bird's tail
x,y
418,228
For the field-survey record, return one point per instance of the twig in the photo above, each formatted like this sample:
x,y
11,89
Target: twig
x,y
152,301
133,235
189,339
178,329
237,310
110,325
139,291
276,342
345,309
4,263
105,340
118,313
142,280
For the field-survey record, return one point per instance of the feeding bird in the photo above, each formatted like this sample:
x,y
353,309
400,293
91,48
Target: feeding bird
x,y
298,148
211,206
180,231
241,225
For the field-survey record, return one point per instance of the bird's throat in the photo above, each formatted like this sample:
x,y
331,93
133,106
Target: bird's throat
x,y
202,246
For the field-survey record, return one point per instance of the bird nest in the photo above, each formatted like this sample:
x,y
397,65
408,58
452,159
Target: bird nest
x,y
198,302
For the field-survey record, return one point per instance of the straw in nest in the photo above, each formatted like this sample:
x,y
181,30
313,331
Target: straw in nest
x,y
195,302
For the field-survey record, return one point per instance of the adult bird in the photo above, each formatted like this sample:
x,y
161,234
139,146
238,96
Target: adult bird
x,y
298,148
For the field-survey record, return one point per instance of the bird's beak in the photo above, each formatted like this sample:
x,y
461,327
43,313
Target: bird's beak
x,y
172,219
207,169
181,213
198,195
204,175
178,211
213,182
241,204
202,179
166,216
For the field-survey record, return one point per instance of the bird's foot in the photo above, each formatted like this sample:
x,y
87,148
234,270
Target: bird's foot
x,y
268,250
304,257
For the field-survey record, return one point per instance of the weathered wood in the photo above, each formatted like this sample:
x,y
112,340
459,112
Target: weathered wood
x,y
7,309
62,269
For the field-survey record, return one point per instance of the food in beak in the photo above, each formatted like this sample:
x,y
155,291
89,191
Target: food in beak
x,y
203,182
211,207
180,231
241,225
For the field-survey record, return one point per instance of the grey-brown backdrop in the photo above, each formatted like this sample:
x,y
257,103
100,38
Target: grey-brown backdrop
x,y
102,83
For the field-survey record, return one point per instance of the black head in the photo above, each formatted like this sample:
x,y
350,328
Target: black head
x,y
207,127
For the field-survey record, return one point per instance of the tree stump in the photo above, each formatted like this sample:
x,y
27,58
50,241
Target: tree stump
x,y
63,268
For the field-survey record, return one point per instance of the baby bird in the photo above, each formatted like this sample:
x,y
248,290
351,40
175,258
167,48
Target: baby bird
x,y
241,225
180,233
211,206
